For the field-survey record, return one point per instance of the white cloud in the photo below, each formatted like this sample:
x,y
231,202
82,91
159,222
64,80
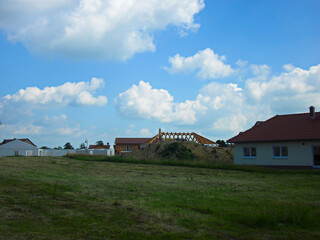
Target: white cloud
x,y
218,96
209,64
144,132
288,67
85,98
65,131
228,109
24,103
130,130
142,101
45,130
75,93
224,109
234,122
295,83
261,72
94,28
22,129
57,118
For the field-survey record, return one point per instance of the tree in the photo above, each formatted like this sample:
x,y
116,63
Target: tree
x,y
82,146
44,147
58,148
68,146
99,143
221,143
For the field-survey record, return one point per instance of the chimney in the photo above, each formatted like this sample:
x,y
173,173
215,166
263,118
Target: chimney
x,y
312,112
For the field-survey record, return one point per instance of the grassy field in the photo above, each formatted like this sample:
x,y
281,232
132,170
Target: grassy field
x,y
64,198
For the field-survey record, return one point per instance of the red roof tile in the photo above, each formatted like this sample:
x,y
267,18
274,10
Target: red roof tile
x,y
131,140
291,127
99,146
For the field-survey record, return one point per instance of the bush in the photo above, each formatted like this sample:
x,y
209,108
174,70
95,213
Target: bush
x,y
177,150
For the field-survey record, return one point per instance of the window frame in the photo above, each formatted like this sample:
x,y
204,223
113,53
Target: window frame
x,y
250,152
281,152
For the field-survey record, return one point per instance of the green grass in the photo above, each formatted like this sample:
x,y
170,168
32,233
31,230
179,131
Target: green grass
x,y
191,163
65,198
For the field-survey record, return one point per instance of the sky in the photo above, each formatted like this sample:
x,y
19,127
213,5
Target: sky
x,y
72,70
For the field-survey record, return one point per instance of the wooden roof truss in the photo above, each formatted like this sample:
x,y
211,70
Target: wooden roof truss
x,y
179,136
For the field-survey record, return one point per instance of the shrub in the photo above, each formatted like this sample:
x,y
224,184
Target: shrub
x,y
177,150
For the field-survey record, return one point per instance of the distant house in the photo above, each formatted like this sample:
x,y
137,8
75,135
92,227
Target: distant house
x,y
128,144
283,140
98,150
99,146
18,147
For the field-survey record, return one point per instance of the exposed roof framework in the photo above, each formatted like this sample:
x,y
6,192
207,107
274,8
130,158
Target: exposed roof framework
x,y
178,136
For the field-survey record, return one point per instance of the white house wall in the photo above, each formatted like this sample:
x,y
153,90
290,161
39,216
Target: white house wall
x,y
63,152
22,148
299,153
55,152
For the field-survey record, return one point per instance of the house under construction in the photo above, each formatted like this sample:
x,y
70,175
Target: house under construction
x,y
179,136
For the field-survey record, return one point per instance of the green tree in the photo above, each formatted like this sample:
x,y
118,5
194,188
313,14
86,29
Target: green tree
x,y
99,143
82,146
44,147
68,146
58,148
221,143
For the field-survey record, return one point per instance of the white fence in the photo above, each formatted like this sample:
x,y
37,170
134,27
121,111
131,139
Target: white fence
x,y
63,152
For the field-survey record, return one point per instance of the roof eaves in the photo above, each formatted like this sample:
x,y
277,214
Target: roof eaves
x,y
276,140
253,127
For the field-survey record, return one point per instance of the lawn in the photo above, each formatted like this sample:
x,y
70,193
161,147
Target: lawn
x,y
63,198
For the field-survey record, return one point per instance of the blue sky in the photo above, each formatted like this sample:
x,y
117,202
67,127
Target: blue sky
x,y
71,70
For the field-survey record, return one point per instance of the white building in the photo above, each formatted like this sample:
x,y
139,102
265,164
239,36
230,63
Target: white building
x,y
18,147
63,152
283,140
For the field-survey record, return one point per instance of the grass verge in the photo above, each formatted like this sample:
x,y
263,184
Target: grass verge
x,y
191,163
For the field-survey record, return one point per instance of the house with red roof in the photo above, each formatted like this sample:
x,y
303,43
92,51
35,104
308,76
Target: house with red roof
x,y
128,144
283,140
100,146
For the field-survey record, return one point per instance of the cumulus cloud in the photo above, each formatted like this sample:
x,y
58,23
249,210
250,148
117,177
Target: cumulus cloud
x,y
143,101
75,93
46,130
67,131
23,104
22,129
208,64
234,122
262,96
144,132
296,83
227,108
94,28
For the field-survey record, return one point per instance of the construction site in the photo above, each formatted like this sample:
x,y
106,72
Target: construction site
x,y
178,146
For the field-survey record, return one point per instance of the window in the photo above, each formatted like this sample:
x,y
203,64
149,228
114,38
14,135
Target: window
x,y
120,146
249,152
280,152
